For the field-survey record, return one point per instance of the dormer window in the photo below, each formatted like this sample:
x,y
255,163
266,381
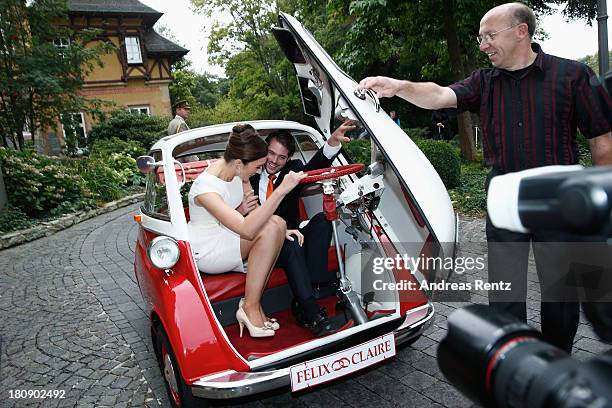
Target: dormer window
x,y
132,49
62,42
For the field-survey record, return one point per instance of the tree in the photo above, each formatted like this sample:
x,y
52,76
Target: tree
x,y
42,66
209,89
593,61
430,40
183,81
261,79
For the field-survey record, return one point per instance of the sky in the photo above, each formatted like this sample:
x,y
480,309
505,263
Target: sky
x,y
569,40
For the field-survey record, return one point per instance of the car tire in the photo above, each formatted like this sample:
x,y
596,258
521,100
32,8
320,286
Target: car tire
x,y
178,392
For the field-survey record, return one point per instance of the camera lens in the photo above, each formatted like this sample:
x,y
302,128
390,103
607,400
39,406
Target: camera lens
x,y
501,362
477,339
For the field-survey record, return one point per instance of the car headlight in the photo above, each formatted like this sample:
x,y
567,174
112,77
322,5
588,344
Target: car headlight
x,y
163,252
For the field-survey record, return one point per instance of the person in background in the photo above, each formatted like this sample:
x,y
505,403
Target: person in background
x,y
396,119
177,125
442,124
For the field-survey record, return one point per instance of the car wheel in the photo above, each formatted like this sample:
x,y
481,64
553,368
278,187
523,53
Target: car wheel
x,y
179,393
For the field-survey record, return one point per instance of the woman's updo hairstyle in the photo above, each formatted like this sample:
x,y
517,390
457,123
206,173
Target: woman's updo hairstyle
x,y
245,144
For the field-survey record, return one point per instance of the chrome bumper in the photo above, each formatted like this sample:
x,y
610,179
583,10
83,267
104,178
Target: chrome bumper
x,y
233,384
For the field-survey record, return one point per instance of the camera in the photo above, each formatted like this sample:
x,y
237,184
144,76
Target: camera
x,y
497,360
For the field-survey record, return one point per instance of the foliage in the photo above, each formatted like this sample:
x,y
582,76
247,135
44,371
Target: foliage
x,y
584,150
105,147
261,81
104,182
208,89
444,158
41,186
470,197
572,9
593,61
417,133
183,81
358,151
126,125
13,219
39,80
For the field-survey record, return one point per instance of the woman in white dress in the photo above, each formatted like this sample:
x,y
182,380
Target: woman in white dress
x,y
222,237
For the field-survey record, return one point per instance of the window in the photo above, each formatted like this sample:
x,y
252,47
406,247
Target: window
x,y
75,122
132,49
144,110
62,42
156,201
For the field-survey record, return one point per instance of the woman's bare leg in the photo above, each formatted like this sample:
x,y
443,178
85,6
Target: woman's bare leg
x,y
262,253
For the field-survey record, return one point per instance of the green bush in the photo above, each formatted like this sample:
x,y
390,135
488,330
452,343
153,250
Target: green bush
x,y
358,150
470,197
444,158
106,177
13,219
126,125
105,147
584,149
41,186
417,133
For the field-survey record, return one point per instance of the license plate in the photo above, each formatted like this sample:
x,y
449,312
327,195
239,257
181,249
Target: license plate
x,y
333,366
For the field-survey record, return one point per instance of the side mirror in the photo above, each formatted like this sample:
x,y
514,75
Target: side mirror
x,y
146,164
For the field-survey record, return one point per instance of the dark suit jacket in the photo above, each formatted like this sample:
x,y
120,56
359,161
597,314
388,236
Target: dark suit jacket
x,y
289,208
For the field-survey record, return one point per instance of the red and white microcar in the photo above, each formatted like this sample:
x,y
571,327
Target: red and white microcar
x,y
398,206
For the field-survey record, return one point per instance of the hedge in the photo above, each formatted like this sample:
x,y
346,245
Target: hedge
x,y
444,158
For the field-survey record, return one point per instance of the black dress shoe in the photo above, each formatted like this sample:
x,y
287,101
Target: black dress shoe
x,y
298,313
321,325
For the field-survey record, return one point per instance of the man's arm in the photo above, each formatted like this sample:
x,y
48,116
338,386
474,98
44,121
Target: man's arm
x,y
426,95
601,149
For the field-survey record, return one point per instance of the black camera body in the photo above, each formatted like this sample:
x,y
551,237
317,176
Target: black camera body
x,y
501,362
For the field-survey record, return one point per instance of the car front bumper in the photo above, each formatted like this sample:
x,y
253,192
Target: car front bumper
x,y
233,384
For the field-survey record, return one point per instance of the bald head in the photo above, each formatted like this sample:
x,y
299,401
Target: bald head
x,y
515,13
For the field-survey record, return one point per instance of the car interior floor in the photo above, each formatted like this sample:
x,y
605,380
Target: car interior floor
x,y
289,334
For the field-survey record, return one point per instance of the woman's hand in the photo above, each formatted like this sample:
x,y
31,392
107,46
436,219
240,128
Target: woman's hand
x,y
290,180
249,203
298,235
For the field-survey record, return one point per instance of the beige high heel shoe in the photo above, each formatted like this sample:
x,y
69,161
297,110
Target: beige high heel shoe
x,y
270,323
254,331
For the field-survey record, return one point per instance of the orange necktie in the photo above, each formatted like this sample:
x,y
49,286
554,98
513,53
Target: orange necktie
x,y
270,187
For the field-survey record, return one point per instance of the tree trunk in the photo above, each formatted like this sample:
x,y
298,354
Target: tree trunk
x,y
452,41
20,140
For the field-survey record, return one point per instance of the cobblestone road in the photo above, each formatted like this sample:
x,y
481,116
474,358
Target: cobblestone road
x,y
71,320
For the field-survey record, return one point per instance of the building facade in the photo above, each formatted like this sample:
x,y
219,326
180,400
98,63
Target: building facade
x,y
136,75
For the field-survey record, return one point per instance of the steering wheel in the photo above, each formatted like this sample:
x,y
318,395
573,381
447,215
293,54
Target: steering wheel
x,y
331,172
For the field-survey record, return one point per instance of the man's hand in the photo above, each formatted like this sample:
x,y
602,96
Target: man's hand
x,y
248,204
298,235
339,134
384,87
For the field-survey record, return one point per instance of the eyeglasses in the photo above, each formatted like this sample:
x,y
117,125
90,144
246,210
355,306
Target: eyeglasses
x,y
488,37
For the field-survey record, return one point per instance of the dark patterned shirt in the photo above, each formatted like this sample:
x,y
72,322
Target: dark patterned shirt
x,y
528,118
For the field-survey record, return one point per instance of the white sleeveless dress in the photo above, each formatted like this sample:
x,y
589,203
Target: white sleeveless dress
x,y
216,248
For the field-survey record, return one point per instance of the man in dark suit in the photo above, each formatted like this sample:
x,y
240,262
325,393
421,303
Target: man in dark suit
x,y
305,265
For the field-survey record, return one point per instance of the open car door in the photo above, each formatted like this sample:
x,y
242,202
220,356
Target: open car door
x,y
413,213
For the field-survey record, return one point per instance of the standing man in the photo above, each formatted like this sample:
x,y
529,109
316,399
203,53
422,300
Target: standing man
x,y
305,265
181,109
529,104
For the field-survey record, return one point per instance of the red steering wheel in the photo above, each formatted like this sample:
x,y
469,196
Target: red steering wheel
x,y
331,172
